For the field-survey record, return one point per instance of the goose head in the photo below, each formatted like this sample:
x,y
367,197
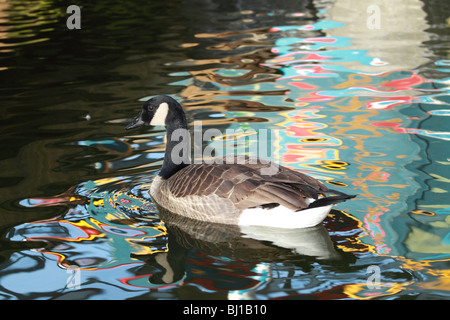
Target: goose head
x,y
160,111
166,111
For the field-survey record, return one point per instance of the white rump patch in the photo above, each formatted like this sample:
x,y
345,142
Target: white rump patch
x,y
281,217
159,119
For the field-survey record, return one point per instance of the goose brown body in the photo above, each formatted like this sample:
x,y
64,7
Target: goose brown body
x,y
200,190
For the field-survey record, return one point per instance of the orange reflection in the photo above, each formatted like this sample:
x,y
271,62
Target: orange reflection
x,y
361,291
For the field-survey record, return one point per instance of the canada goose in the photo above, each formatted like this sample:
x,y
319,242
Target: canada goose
x,y
240,193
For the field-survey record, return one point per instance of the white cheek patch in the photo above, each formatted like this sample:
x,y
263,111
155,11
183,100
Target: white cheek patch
x,y
159,119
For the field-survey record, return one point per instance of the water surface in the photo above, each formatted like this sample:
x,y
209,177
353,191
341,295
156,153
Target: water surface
x,y
360,104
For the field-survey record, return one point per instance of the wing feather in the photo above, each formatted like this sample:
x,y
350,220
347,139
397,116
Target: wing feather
x,y
245,185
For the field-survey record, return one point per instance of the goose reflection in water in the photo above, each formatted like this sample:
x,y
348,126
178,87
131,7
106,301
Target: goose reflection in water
x,y
250,244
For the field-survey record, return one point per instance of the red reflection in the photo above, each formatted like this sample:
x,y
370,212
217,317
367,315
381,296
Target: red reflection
x,y
406,83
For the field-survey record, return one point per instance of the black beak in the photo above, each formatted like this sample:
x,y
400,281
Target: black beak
x,y
136,123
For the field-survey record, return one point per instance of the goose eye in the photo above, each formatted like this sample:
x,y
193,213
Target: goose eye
x,y
150,108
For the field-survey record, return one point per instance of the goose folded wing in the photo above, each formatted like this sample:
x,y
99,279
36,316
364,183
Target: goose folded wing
x,y
245,186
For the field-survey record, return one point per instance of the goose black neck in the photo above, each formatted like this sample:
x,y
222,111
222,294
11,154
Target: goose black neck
x,y
178,147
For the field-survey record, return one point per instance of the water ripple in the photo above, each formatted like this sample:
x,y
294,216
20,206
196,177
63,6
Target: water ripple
x,y
361,109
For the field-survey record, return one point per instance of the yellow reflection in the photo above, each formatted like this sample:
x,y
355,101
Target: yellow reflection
x,y
92,232
426,266
413,265
361,291
337,183
443,282
144,250
101,182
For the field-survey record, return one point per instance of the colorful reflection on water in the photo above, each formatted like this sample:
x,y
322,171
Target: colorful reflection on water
x,y
359,119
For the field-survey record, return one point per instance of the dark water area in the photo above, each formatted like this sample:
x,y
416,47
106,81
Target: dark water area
x,y
356,94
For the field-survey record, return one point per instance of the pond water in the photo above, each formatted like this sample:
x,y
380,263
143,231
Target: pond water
x,y
355,94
